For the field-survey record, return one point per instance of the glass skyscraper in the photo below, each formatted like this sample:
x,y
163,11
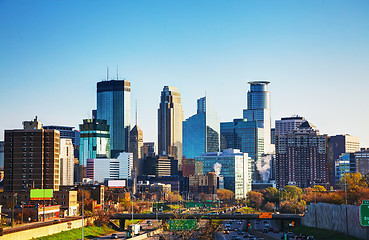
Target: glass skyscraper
x,y
94,140
258,109
236,168
114,106
201,131
170,118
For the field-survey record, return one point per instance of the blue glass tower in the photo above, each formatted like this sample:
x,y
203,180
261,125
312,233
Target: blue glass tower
x,y
114,106
201,131
258,109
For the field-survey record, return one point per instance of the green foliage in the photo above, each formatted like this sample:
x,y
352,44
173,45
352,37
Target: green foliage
x,y
271,195
321,234
291,192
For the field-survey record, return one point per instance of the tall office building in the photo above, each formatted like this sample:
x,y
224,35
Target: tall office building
x,y
170,118
149,149
67,132
109,169
236,168
66,162
258,109
346,163
114,106
301,157
288,124
362,161
201,131
336,146
160,166
135,146
31,158
94,140
1,155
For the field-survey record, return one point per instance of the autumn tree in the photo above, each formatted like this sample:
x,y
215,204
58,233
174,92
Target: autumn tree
x,y
225,194
255,199
352,181
319,188
291,192
271,195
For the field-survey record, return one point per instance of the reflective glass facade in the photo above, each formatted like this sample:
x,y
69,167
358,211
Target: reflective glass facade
x,y
94,140
201,131
114,106
245,136
237,169
258,109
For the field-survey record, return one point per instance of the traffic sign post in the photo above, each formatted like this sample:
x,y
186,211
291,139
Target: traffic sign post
x,y
364,214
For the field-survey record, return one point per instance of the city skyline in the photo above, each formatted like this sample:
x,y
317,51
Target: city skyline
x,y
315,56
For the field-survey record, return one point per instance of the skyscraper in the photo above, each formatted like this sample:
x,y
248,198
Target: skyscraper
x,y
31,158
170,118
66,162
114,106
258,109
135,146
201,131
301,157
336,146
94,140
288,124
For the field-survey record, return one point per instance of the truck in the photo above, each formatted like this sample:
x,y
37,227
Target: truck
x,y
134,228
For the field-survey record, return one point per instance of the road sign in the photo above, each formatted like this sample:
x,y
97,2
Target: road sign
x,y
366,202
364,214
265,215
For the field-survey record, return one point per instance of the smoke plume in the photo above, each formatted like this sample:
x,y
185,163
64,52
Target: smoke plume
x,y
217,168
263,167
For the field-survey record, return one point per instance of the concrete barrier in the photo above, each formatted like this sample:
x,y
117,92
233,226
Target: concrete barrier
x,y
45,231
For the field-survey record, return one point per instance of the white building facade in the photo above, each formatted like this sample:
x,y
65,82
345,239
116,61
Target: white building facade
x,y
66,162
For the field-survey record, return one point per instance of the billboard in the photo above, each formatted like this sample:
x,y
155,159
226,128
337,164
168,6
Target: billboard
x,y
41,194
117,183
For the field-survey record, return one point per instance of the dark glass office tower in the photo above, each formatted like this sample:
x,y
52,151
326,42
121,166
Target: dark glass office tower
x,y
114,106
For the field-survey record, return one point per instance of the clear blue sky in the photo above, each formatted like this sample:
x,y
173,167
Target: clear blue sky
x,y
314,53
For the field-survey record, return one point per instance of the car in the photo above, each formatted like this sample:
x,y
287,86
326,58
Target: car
x,y
265,230
114,236
252,237
267,225
310,238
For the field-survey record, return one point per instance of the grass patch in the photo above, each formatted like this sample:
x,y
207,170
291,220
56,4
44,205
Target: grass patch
x,y
88,232
321,234
129,222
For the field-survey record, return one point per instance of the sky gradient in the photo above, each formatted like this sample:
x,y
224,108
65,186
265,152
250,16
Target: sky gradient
x,y
314,53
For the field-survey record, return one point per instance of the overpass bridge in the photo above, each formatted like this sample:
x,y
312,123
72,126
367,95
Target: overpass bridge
x,y
122,217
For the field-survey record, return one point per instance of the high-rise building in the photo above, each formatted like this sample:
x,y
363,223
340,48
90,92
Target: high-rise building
x,y
362,161
135,146
336,146
31,158
201,131
149,149
170,118
245,136
346,163
67,132
66,162
94,140
1,155
109,169
258,109
288,124
114,106
301,157
236,168
160,166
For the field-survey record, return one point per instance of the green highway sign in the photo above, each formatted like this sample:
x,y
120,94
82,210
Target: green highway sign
x,y
364,214
366,202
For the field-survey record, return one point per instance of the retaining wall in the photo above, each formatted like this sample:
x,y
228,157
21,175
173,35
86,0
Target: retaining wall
x,y
333,217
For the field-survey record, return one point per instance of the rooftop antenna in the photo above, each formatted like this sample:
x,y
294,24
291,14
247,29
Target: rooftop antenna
x,y
107,73
136,112
117,72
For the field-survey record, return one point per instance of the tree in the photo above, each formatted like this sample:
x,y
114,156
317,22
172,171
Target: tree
x,y
225,194
292,206
271,195
255,199
319,188
291,192
353,181
269,206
